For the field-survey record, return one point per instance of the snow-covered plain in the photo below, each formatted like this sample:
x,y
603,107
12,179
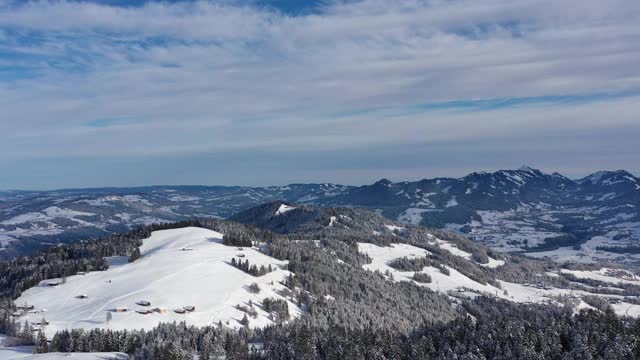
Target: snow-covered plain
x,y
180,267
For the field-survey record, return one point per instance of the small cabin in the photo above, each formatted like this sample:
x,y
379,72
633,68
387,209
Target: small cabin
x,y
52,283
16,314
180,311
190,308
144,303
160,310
144,312
187,249
82,296
240,255
26,307
120,309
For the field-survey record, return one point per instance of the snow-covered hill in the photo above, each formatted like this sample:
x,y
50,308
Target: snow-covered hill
x,y
450,264
351,266
459,285
178,269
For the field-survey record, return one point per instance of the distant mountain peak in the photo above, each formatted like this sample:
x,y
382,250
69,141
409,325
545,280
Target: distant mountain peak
x,y
529,169
383,182
608,177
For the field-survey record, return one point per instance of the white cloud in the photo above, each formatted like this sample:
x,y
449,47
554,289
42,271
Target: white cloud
x,y
210,76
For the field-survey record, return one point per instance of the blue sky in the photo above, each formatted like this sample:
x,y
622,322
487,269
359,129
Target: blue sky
x,y
248,92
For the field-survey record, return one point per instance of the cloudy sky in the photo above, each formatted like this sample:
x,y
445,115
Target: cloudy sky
x,y
117,93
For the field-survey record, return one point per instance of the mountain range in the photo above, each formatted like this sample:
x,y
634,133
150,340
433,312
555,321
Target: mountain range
x,y
284,281
523,210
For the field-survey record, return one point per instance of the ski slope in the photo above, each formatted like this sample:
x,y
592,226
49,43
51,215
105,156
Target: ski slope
x,y
178,268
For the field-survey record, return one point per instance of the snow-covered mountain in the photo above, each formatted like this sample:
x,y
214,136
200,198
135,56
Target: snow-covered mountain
x,y
309,266
178,269
510,210
188,273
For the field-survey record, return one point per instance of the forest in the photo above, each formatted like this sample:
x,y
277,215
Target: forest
x,y
367,316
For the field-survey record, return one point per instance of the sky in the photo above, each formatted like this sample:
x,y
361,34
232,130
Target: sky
x,y
271,92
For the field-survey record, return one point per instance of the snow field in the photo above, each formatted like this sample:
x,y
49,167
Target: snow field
x,y
178,268
283,209
458,282
613,276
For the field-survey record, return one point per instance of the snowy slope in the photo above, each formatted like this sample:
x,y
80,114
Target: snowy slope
x,y
382,256
181,267
456,283
283,209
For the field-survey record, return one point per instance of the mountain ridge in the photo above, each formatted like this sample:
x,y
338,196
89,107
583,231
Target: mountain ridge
x,y
511,210
143,187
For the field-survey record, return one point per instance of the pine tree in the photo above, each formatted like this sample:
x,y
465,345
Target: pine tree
x,y
245,321
135,255
42,345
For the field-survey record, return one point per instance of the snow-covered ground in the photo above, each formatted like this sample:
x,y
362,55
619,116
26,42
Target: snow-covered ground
x,y
283,209
395,228
10,351
510,230
382,256
15,352
412,216
178,268
8,354
457,282
454,250
528,226
493,263
45,215
445,245
613,276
